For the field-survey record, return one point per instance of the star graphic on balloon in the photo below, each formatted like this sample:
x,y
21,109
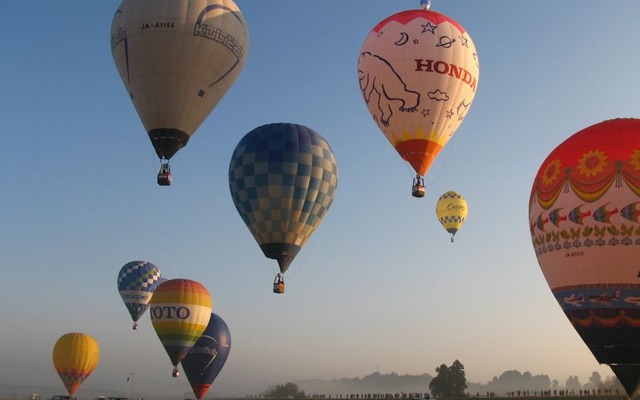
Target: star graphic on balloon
x,y
429,27
449,114
464,41
425,112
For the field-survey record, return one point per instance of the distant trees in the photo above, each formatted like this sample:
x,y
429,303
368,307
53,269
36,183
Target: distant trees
x,y
611,384
288,390
595,381
573,383
450,381
513,380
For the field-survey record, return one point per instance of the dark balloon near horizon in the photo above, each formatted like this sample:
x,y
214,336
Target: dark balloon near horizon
x,y
206,358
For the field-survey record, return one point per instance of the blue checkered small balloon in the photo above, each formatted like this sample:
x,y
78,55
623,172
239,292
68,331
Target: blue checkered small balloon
x,y
137,281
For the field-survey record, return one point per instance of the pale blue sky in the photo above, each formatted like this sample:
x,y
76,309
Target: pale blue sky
x,y
379,284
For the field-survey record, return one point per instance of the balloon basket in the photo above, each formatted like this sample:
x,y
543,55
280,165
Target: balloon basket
x,y
278,284
418,191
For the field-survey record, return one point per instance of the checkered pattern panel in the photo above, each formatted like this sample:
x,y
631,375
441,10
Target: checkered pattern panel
x,y
139,276
450,195
72,379
283,178
451,219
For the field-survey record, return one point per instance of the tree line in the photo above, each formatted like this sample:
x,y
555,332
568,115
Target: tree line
x,y
450,381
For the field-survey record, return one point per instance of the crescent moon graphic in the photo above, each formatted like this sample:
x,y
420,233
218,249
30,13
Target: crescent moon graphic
x,y
404,38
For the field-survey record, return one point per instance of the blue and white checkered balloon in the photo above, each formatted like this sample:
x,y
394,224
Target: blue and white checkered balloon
x,y
283,178
137,281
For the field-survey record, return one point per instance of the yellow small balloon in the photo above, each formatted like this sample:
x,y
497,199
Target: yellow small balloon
x,y
451,211
75,356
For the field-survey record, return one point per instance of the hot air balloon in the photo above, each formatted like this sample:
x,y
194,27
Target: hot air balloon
x,y
451,211
137,280
207,357
418,73
177,59
283,178
587,239
180,311
75,356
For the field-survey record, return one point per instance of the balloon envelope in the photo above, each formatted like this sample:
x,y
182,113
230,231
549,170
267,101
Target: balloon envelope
x,y
137,280
585,229
206,358
283,179
451,210
418,73
180,310
177,59
75,356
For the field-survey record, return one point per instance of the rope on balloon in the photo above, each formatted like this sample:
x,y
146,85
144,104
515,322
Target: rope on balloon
x,y
448,150
308,248
446,154
154,158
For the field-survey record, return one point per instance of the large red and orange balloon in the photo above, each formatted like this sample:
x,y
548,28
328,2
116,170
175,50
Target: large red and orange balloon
x,y
418,73
584,216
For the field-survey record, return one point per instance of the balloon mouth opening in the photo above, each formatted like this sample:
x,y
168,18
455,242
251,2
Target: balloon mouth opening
x,y
167,141
176,354
200,390
628,375
614,344
284,253
419,153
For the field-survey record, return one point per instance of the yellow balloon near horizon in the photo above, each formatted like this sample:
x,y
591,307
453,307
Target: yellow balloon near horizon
x,y
75,356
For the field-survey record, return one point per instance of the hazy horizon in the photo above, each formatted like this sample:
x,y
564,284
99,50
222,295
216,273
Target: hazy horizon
x,y
332,386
